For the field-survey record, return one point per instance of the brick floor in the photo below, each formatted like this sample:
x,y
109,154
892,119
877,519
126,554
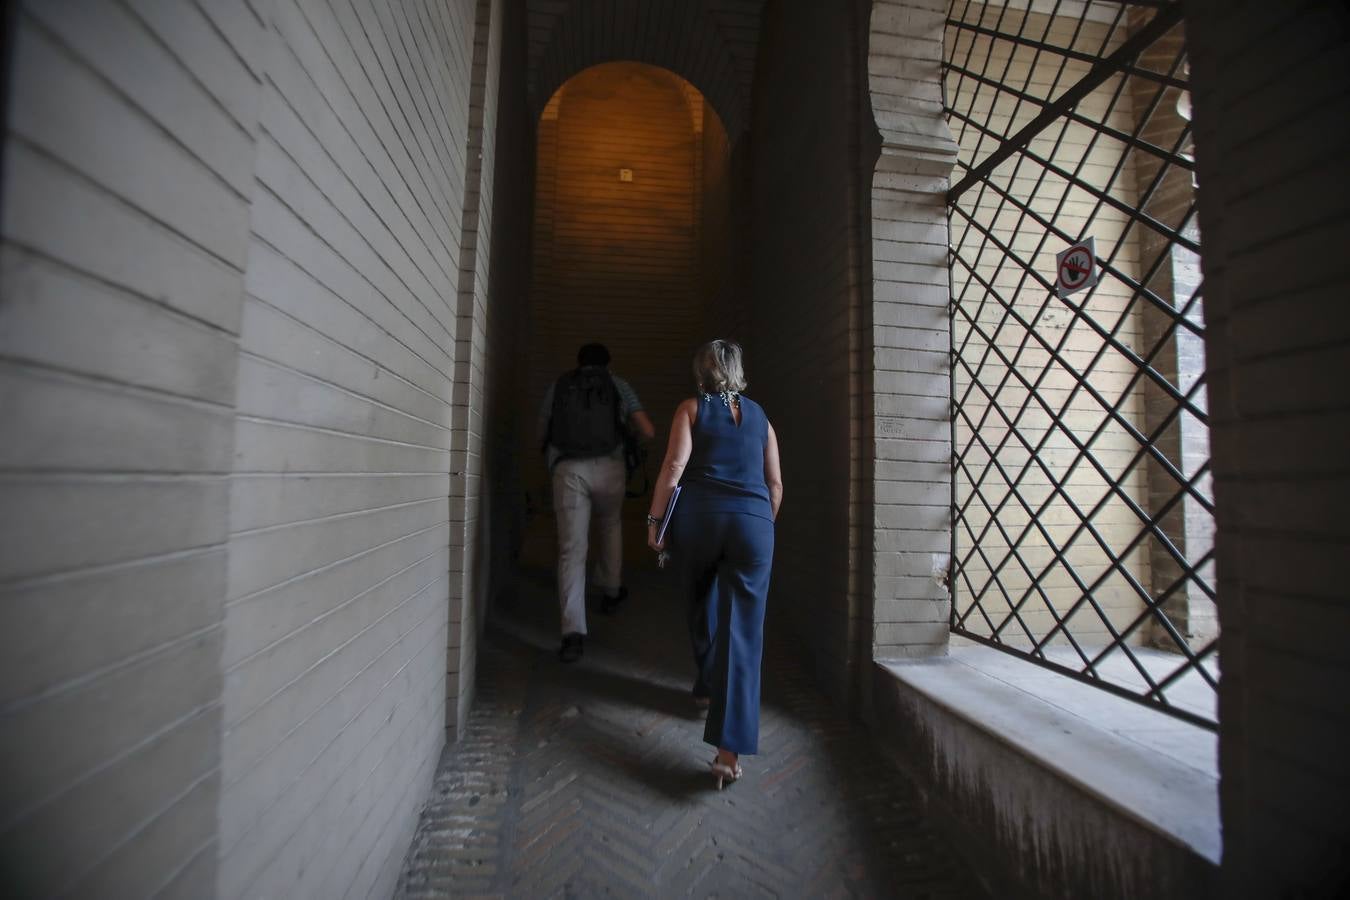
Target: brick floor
x,y
591,780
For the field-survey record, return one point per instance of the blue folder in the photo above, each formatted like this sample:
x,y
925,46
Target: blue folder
x,y
670,508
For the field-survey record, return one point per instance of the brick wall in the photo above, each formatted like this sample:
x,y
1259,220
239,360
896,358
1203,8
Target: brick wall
x,y
339,573
618,262
129,149
906,423
721,248
468,568
1269,85
710,43
505,328
801,345
1181,359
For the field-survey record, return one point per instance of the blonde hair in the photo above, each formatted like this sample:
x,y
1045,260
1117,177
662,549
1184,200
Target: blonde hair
x,y
718,368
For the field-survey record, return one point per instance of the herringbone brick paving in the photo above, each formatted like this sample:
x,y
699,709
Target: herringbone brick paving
x,y
591,780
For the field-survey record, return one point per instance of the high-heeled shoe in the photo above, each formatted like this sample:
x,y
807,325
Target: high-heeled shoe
x,y
723,772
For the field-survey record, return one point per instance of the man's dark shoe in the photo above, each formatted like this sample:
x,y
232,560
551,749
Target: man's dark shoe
x,y
573,645
610,605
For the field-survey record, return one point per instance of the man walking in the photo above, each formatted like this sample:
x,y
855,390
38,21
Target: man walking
x,y
581,424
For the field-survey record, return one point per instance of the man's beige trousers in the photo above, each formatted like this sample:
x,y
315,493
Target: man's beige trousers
x,y
582,489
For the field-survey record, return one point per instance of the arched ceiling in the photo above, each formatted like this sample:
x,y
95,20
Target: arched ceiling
x,y
710,43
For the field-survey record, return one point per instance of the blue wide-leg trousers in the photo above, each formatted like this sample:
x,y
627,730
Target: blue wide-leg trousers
x,y
727,559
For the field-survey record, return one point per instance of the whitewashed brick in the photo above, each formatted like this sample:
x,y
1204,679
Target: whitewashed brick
x,y
61,524
108,38
60,214
136,166
59,318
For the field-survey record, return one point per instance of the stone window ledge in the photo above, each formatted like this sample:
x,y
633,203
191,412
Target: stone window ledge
x,y
1154,769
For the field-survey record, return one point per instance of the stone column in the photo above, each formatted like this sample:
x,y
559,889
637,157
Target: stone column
x,y
1181,357
909,425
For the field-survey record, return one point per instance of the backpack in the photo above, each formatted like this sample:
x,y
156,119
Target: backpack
x,y
585,420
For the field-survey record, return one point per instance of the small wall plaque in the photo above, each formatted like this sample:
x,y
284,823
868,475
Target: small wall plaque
x,y
1076,267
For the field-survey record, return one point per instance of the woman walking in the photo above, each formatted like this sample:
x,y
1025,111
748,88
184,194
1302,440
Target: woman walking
x,y
724,455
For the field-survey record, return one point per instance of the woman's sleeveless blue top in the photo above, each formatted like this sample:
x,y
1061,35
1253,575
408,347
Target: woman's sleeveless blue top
x,y
725,472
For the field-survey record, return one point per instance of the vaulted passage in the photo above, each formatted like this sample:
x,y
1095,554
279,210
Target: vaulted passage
x,y
629,241
283,284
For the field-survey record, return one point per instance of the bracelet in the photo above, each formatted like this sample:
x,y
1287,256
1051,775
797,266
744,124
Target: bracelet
x,y
652,520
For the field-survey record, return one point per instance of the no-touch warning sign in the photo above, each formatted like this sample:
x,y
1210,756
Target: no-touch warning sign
x,y
1076,267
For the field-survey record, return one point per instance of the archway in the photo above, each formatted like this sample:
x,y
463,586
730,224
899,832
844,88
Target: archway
x,y
630,244
712,45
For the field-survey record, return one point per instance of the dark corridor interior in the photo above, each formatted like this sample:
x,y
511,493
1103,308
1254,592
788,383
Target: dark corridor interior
x,y
283,283
630,246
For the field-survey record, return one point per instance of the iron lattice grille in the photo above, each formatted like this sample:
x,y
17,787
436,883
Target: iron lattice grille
x,y
1082,507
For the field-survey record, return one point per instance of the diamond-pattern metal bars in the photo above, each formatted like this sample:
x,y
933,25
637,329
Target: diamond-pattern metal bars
x,y
1082,506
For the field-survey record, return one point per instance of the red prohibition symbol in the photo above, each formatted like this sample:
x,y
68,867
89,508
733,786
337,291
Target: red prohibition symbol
x,y
1076,267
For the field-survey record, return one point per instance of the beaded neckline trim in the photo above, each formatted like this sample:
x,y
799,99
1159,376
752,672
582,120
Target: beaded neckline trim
x,y
729,398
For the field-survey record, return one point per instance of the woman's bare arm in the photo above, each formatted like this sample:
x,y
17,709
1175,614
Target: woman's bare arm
x,y
773,474
681,444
